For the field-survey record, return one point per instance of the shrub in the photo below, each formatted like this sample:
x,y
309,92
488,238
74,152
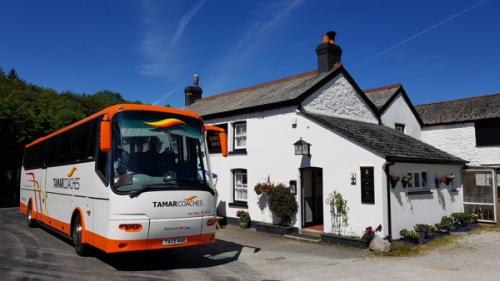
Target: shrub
x,y
282,204
460,219
370,232
409,234
243,216
421,228
403,233
446,223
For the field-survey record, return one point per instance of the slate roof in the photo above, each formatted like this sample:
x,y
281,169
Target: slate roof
x,y
393,145
286,91
380,96
461,110
280,90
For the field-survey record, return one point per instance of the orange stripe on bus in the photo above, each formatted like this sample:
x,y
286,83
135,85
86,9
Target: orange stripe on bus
x,y
116,246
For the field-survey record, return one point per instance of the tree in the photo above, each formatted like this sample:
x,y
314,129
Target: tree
x,y
28,111
13,75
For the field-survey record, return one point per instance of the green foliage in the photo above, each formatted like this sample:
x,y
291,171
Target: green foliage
x,y
421,228
282,204
243,216
338,210
28,111
407,234
461,219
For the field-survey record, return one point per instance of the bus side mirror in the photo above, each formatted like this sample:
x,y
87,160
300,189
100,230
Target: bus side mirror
x,y
222,137
223,143
105,134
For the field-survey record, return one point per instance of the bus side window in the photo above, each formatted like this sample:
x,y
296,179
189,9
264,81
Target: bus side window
x,y
102,157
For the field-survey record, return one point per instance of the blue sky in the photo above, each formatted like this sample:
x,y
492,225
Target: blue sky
x,y
148,50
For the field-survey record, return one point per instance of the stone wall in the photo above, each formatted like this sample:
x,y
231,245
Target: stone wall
x,y
338,98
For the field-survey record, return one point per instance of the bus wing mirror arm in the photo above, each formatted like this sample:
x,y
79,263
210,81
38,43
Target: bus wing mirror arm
x,y
222,137
105,134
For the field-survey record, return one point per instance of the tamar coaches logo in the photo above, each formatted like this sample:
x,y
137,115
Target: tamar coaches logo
x,y
68,182
190,201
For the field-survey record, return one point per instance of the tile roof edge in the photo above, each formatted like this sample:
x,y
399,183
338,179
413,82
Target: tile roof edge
x,y
263,84
454,100
386,87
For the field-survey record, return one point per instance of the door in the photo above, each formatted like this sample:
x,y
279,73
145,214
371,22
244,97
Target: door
x,y
311,179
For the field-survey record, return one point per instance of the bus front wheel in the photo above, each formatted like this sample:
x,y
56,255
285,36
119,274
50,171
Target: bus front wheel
x,y
76,234
29,216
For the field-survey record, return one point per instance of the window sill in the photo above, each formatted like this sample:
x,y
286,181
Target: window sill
x,y
238,152
238,205
419,192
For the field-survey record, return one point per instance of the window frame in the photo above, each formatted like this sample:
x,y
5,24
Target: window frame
x,y
400,125
487,132
371,200
235,136
234,173
420,187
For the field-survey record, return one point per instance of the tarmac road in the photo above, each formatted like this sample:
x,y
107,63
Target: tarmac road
x,y
40,254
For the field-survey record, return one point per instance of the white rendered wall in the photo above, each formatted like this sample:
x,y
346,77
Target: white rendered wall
x,y
410,209
339,98
460,140
399,112
270,139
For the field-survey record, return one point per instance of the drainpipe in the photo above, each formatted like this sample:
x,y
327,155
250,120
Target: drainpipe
x,y
388,180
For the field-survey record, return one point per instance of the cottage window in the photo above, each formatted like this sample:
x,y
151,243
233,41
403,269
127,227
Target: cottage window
x,y
400,127
240,135
367,186
419,182
240,189
479,197
487,132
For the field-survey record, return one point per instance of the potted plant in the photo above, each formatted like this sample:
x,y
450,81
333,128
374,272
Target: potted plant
x,y
422,231
406,180
449,179
244,218
394,180
262,188
410,236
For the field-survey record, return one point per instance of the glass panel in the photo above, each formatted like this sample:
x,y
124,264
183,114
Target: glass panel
x,y
478,187
416,179
424,179
146,156
484,212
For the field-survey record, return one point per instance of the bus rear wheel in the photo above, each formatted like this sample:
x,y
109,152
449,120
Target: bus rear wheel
x,y
29,216
81,249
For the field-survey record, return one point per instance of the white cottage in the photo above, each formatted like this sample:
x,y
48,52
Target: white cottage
x,y
351,152
470,129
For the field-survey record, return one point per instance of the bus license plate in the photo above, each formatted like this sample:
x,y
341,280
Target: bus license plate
x,y
175,241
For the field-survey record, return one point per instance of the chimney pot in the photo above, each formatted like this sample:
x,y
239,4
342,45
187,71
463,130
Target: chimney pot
x,y
329,54
194,92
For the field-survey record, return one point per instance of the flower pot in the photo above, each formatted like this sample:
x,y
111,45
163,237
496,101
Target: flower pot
x,y
244,224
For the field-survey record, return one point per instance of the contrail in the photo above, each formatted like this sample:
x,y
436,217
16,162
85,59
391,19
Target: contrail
x,y
428,29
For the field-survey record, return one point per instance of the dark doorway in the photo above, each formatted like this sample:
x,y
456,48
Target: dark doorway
x,y
311,180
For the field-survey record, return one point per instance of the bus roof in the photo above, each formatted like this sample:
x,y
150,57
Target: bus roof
x,y
112,110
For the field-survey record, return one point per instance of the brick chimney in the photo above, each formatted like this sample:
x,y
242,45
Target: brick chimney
x,y
193,93
329,54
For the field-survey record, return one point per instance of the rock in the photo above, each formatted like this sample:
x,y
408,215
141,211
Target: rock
x,y
380,245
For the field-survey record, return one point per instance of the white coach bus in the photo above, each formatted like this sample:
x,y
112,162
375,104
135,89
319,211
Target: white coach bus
x,y
128,178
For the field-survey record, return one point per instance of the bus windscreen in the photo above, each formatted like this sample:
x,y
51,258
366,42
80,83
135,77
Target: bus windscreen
x,y
158,151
